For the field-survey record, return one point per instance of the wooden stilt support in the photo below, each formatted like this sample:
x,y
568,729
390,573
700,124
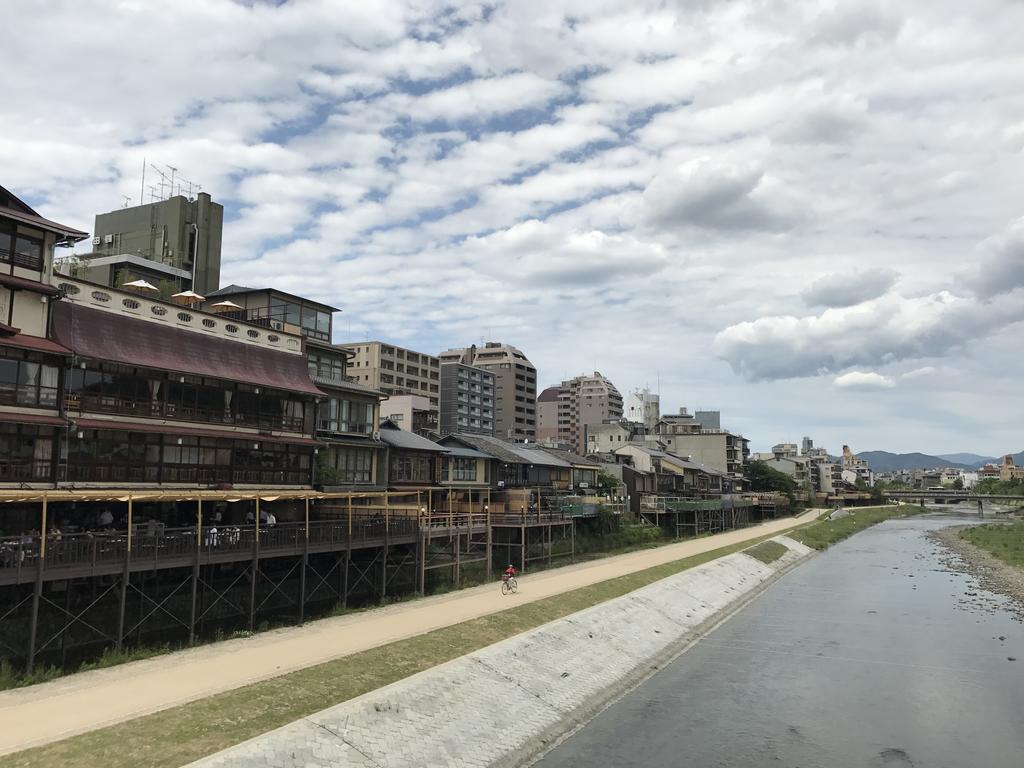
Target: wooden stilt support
x,y
125,577
255,569
490,536
305,567
37,592
195,572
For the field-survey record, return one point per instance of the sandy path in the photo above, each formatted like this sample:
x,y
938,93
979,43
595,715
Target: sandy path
x,y
50,711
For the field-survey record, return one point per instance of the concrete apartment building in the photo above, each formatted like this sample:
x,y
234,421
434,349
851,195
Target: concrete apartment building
x,y
395,370
467,399
177,240
413,413
577,404
515,386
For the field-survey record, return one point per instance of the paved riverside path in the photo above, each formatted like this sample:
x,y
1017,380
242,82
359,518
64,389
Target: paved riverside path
x,y
871,654
50,711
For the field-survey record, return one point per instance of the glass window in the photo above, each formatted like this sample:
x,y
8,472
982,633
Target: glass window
x,y
28,252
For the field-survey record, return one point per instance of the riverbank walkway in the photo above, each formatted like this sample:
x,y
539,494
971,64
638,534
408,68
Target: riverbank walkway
x,y
83,702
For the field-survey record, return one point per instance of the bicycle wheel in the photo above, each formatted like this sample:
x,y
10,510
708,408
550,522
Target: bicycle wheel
x,y
506,588
513,585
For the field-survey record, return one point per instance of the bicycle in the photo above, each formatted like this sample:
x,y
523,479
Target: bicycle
x,y
508,584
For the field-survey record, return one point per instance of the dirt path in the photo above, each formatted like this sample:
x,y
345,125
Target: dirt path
x,y
50,711
992,573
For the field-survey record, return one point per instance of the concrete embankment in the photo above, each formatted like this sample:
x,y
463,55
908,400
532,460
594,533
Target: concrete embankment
x,y
507,702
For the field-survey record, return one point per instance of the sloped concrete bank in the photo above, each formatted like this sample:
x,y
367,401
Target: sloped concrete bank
x,y
508,702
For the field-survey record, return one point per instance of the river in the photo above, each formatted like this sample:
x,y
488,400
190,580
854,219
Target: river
x,y
870,654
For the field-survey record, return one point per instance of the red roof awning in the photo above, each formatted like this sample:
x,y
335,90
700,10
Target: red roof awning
x,y
24,341
166,428
8,417
116,338
24,284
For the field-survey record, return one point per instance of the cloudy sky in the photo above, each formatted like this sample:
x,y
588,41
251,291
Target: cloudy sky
x,y
808,216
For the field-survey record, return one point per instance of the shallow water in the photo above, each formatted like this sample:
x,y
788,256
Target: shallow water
x,y
870,654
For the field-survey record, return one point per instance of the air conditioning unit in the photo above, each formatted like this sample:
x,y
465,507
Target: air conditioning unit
x,y
108,239
277,325
95,241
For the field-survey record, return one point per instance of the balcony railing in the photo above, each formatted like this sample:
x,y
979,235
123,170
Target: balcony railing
x,y
185,473
160,410
25,470
21,260
20,554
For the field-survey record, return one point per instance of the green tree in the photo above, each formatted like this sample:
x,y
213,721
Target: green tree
x,y
764,478
958,484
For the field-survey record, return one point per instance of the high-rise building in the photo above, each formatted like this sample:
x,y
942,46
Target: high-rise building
x,y
583,401
467,399
806,446
643,407
395,370
177,241
515,386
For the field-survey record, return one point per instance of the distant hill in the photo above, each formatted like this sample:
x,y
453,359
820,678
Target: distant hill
x,y
883,461
970,459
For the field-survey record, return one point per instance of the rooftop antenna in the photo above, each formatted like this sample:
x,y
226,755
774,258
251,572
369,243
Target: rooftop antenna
x,y
173,171
142,187
152,193
127,201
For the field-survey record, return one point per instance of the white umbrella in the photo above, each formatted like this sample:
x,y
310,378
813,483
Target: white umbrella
x,y
188,298
225,306
141,285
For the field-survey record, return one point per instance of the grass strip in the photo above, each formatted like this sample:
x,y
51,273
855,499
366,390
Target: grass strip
x,y
824,532
179,735
1003,540
767,551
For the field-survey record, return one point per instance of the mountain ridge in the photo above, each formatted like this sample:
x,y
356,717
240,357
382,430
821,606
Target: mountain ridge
x,y
886,461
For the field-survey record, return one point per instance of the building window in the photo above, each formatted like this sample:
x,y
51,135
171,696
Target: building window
x,y
25,380
409,468
463,469
26,452
351,465
339,415
21,250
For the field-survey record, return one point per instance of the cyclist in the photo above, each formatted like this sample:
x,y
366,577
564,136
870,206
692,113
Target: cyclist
x,y
510,573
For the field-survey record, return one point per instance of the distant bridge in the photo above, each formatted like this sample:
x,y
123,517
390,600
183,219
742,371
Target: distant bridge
x,y
950,496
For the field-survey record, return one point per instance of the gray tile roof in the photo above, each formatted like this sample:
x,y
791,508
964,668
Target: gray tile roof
x,y
400,438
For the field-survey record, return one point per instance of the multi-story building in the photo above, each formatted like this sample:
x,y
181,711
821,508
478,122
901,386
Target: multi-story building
x,y
583,401
606,438
31,365
412,413
852,463
708,419
177,240
395,370
467,399
643,407
547,415
515,386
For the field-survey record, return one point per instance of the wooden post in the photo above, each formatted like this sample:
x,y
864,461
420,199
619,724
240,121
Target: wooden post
x,y
125,578
490,536
37,592
305,565
350,519
254,569
522,548
449,509
384,552
195,570
573,551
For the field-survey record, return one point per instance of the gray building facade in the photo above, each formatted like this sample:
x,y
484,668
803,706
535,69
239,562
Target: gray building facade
x,y
178,240
467,399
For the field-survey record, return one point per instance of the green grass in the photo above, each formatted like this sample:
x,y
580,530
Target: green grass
x,y
824,533
185,733
1005,541
767,551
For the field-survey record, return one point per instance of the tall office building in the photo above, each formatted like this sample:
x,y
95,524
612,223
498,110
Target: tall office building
x,y
395,370
515,386
177,240
582,402
467,399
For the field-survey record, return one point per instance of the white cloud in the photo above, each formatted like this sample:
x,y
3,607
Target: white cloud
x,y
1000,265
844,289
878,332
612,183
710,195
863,380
